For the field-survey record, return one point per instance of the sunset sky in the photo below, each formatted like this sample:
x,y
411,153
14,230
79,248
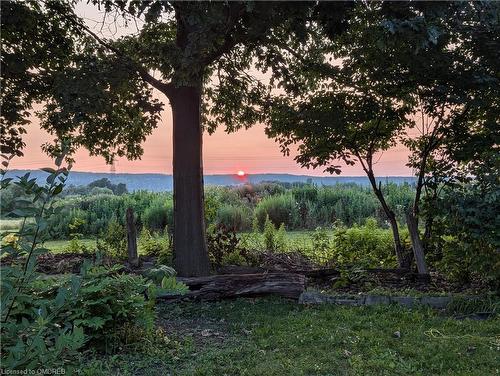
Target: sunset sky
x,y
247,150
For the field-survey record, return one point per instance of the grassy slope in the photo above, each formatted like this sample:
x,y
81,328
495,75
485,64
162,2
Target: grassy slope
x,y
276,337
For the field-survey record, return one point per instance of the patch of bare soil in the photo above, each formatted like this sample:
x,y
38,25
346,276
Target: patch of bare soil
x,y
201,330
61,263
360,281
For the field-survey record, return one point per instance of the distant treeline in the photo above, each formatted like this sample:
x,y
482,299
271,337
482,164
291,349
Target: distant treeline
x,y
162,182
299,206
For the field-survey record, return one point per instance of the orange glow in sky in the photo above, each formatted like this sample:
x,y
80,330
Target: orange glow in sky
x,y
246,151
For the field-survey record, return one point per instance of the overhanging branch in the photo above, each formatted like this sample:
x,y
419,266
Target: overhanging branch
x,y
164,87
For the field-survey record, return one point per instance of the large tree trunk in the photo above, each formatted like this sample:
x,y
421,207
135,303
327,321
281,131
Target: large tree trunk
x,y
190,249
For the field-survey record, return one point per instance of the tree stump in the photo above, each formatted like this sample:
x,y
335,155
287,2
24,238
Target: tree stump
x,y
133,257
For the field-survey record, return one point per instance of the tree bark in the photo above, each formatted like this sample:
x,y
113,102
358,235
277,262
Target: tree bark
x,y
403,260
190,249
418,249
133,258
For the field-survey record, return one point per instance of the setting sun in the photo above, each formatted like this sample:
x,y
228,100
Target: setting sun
x,y
240,173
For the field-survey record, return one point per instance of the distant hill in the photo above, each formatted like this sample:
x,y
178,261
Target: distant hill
x,y
162,182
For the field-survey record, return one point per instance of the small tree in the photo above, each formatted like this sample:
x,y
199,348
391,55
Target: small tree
x,y
392,64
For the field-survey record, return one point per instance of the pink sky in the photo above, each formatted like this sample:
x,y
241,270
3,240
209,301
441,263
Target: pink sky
x,y
247,150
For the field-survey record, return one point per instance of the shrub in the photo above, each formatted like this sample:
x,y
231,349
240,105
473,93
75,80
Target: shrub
x,y
109,301
221,241
233,258
75,245
366,246
280,209
33,334
274,240
321,245
236,218
212,204
465,261
280,239
466,222
224,248
159,215
113,242
158,273
157,245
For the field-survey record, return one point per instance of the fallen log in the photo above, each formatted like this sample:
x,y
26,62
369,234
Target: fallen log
x,y
241,269
322,273
288,285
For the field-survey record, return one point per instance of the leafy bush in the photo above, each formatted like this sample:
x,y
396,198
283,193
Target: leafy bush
x,y
466,261
159,215
233,258
113,242
75,245
367,246
321,244
158,273
157,245
212,203
233,217
108,301
466,223
221,241
274,240
32,332
280,209
224,248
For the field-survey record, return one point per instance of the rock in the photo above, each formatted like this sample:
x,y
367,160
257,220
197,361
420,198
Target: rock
x,y
397,334
312,297
407,301
376,299
347,353
206,333
439,302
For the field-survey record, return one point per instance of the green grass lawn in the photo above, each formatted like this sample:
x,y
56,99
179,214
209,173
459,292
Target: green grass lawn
x,y
277,337
59,246
294,239
12,224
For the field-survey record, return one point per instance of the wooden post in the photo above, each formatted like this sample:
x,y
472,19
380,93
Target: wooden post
x,y
133,257
418,249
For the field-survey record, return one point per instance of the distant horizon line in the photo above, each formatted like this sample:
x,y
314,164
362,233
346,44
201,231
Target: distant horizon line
x,y
220,174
